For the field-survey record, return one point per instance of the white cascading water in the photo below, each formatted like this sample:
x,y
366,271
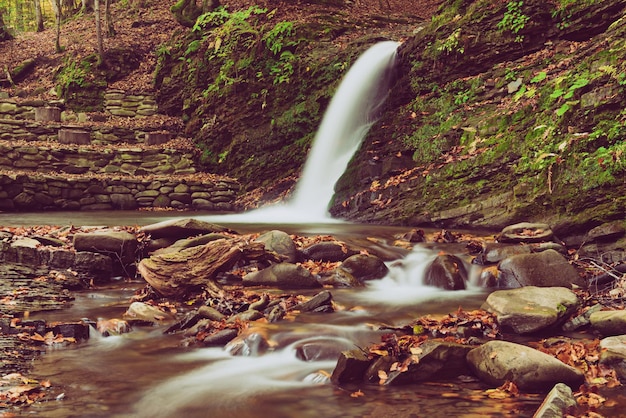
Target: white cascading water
x,y
351,113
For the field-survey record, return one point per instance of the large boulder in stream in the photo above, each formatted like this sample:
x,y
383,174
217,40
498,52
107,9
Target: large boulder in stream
x,y
446,272
531,309
331,251
546,269
121,244
281,243
497,362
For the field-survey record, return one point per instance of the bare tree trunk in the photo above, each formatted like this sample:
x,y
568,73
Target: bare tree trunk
x,y
56,6
96,8
38,15
108,19
87,6
4,33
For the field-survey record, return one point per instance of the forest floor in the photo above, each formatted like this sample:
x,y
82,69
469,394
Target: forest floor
x,y
145,27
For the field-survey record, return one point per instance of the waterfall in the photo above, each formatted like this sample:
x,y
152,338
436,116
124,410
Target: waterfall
x,y
352,111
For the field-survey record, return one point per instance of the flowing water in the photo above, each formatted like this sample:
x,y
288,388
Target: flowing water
x,y
147,374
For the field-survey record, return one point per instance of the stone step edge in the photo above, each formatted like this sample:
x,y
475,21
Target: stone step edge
x,y
84,134
21,192
175,144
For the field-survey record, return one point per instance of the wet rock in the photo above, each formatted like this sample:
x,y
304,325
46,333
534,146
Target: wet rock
x,y
364,267
220,338
581,320
496,362
120,243
494,252
245,316
609,323
322,348
413,236
437,360
446,272
332,251
93,266
142,312
49,241
78,330
613,354
340,278
546,269
526,232
113,326
247,345
283,276
210,313
351,367
281,243
531,309
556,403
323,300
607,232
181,228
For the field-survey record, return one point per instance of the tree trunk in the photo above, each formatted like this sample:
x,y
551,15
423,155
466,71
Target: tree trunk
x,y
4,33
38,16
96,7
86,6
56,7
108,19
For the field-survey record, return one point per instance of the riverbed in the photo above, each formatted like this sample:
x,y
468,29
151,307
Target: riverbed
x,y
147,373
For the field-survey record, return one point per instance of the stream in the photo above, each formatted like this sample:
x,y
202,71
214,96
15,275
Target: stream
x,y
147,373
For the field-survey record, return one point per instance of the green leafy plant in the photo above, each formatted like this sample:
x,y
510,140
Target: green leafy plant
x,y
514,19
451,43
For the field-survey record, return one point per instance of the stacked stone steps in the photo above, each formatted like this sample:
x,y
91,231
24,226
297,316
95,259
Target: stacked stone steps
x,y
46,164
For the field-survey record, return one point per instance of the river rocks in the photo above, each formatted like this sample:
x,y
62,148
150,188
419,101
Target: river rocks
x,y
496,362
446,272
364,267
531,309
351,367
494,252
331,251
142,312
547,268
556,403
614,354
283,276
322,302
248,344
526,232
123,245
281,243
220,338
114,326
181,228
609,323
434,360
321,348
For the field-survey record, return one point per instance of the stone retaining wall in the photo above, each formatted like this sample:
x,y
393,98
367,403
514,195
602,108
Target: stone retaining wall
x,y
119,103
36,192
79,160
30,130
